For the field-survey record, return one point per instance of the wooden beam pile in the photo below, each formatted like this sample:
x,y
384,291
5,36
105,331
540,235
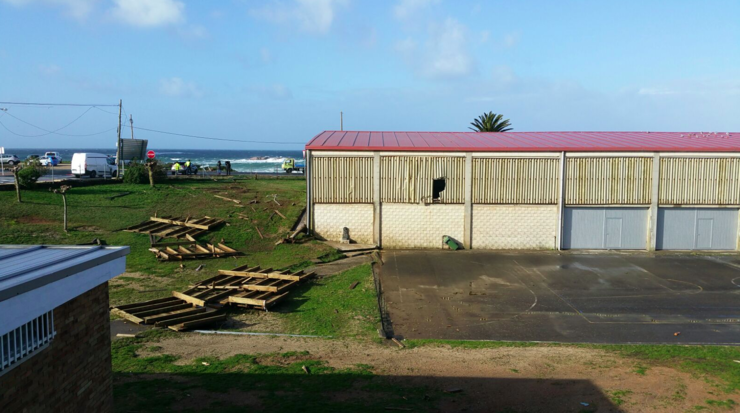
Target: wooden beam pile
x,y
175,227
178,251
245,286
170,312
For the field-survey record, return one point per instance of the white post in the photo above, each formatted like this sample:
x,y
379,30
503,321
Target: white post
x,y
561,203
654,198
468,214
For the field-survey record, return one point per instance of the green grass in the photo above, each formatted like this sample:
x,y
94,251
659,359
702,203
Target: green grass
x,y
327,307
618,396
38,220
727,404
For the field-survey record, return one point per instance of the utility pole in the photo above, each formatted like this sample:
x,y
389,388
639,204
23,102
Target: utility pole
x,y
131,119
341,121
118,143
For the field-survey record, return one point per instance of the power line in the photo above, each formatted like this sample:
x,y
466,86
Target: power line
x,y
54,104
63,134
216,139
48,132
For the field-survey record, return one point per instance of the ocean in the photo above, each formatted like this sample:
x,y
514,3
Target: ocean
x,y
241,160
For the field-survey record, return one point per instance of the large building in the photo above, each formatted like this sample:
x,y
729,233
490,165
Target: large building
x,y
55,328
527,190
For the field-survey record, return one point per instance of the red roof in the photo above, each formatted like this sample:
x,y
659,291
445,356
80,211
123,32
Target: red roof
x,y
527,141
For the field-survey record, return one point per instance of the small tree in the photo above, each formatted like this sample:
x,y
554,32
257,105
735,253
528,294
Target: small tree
x,y
16,180
152,167
63,192
26,176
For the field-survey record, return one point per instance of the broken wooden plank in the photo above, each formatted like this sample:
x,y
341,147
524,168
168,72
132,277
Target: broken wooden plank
x,y
195,323
189,299
174,314
281,215
259,232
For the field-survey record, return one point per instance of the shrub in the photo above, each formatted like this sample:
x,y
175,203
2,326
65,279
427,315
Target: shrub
x,y
29,174
137,173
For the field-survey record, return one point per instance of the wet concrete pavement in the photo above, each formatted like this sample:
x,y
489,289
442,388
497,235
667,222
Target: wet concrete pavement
x,y
570,297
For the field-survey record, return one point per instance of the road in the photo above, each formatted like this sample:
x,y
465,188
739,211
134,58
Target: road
x,y
63,172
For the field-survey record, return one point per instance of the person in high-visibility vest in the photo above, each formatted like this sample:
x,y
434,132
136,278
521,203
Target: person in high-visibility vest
x,y
177,167
187,167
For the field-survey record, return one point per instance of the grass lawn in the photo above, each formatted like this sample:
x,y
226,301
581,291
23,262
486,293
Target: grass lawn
x,y
92,214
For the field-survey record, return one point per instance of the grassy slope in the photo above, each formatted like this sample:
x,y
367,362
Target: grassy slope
x,y
38,220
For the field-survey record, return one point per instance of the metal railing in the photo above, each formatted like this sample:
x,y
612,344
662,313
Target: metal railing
x,y
20,343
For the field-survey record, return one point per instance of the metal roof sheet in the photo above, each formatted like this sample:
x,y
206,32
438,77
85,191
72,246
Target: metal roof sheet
x,y
527,141
26,267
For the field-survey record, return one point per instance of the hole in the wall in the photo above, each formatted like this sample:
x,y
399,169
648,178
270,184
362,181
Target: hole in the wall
x,y
438,186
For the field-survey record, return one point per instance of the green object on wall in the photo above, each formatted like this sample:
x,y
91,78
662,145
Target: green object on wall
x,y
450,243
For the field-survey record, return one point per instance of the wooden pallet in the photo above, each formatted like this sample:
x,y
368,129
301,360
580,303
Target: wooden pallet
x,y
192,251
175,227
170,312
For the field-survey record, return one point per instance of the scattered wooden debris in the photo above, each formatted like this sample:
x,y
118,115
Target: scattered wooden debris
x,y
236,201
175,227
305,369
259,232
281,215
354,284
194,251
170,312
398,343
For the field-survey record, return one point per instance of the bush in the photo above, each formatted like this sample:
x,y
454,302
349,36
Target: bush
x,y
30,173
138,173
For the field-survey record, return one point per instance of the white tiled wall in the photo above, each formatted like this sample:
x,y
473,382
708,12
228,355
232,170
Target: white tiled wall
x,y
420,226
514,226
331,218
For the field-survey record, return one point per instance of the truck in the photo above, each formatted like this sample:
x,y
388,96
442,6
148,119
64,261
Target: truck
x,y
290,165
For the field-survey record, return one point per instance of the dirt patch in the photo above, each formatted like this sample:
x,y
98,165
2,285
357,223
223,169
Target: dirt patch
x,y
90,228
36,220
528,379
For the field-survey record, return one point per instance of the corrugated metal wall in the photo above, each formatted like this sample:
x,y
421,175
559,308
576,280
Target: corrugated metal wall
x,y
408,179
608,181
604,228
342,179
700,181
697,228
515,180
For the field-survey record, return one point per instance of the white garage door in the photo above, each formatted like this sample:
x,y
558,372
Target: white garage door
x,y
697,229
605,228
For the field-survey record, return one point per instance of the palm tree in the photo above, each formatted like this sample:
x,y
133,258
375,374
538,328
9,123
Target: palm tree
x,y
491,122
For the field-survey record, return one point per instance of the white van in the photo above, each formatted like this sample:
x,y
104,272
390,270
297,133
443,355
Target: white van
x,y
93,165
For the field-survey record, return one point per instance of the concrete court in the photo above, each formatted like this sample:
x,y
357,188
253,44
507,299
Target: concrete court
x,y
566,297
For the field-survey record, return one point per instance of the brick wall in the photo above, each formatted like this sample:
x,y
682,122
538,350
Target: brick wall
x,y
514,226
420,226
329,219
73,374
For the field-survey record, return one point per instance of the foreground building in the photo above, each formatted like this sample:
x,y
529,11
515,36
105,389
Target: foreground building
x,y
55,327
527,190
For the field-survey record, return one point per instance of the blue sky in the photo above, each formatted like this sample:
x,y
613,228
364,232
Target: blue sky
x,y
281,71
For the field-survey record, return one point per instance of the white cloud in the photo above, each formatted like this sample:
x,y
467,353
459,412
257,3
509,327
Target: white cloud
x,y
443,55
446,51
78,9
275,92
311,16
49,70
511,40
176,87
407,8
266,56
149,13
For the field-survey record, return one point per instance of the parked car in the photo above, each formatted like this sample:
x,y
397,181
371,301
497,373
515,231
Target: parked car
x,y
93,165
10,160
49,161
55,154
185,171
